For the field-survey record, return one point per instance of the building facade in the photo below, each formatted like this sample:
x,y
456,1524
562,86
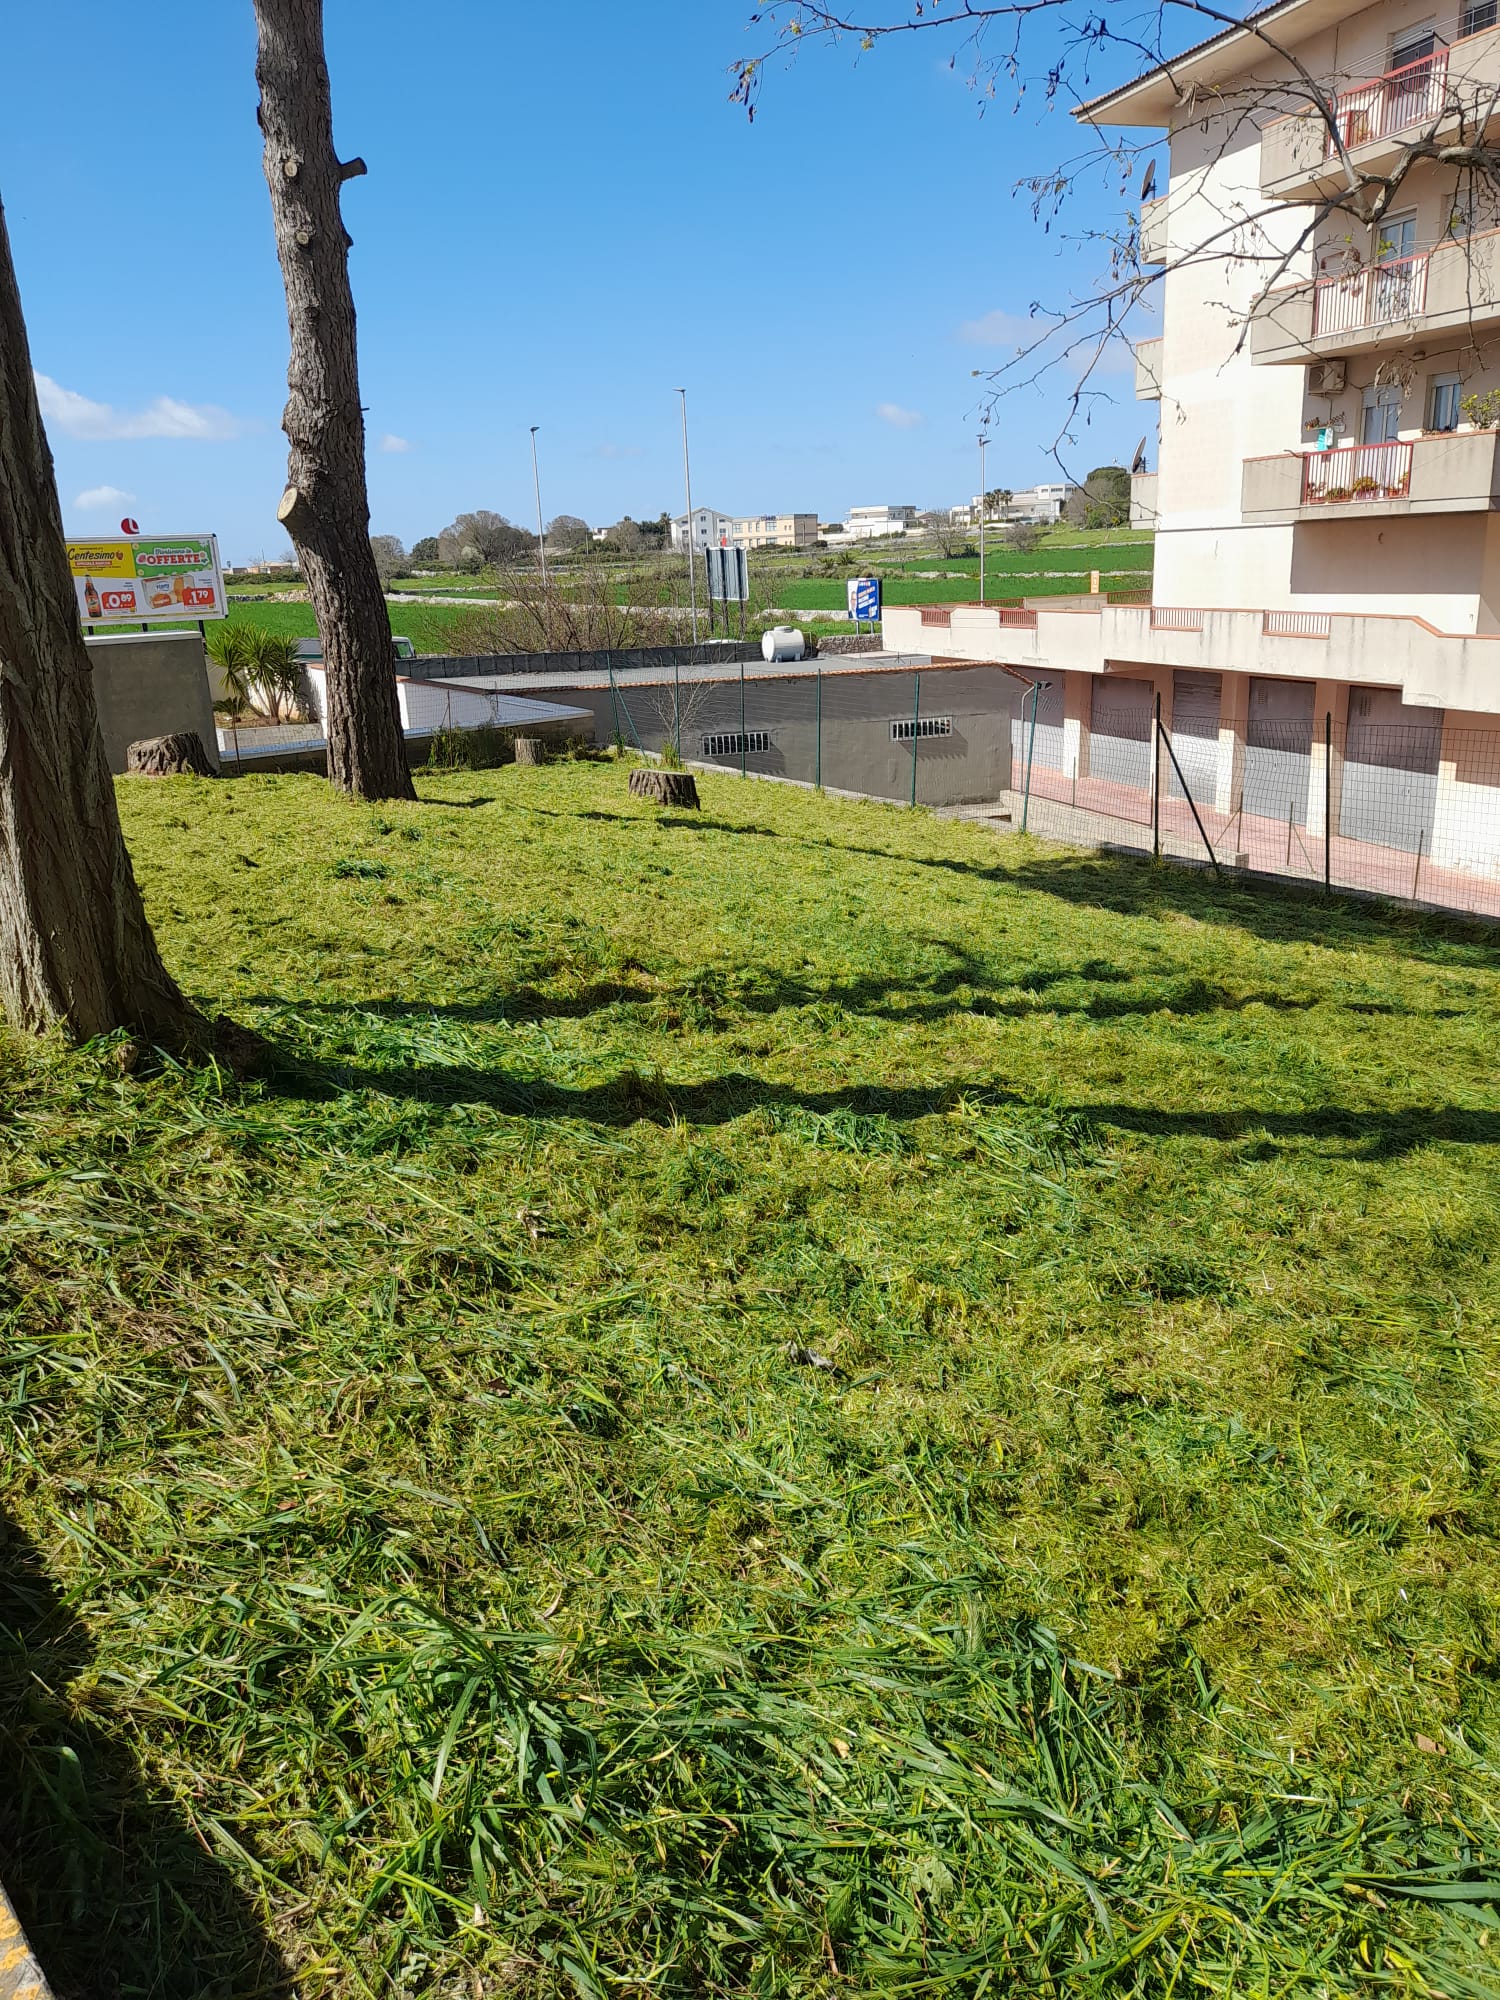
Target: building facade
x,y
1324,623
866,524
710,529
767,531
1045,505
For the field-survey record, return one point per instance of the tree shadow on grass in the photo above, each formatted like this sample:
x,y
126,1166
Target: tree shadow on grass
x,y
1127,885
118,1894
633,1097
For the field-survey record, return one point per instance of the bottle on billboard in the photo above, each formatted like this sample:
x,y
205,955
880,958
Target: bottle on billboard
x,y
91,597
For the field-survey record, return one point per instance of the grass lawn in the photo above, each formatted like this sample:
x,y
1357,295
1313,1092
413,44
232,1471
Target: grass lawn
x,y
795,1401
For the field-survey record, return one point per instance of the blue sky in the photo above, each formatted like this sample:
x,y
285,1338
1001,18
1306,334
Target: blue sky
x,y
565,218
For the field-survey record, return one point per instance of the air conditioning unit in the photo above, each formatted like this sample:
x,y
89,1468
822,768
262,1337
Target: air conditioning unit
x,y
1326,378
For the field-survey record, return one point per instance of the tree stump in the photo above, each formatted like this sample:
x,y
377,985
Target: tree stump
x,y
180,756
531,750
668,788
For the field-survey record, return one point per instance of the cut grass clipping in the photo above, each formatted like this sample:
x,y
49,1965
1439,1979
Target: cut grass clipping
x,y
790,1401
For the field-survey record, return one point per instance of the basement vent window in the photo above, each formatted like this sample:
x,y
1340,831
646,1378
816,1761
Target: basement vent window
x,y
927,725
754,742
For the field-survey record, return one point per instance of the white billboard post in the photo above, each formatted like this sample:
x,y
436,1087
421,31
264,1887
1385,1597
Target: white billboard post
x,y
148,580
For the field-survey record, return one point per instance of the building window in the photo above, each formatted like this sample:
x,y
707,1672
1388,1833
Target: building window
x,y
753,743
926,725
1475,19
1382,416
1443,401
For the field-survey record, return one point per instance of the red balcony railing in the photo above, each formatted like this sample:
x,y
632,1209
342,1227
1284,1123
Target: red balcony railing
x,y
1355,473
1375,295
1389,103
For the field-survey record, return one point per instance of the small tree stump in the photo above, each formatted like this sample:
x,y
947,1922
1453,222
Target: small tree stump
x,y
668,788
531,750
180,756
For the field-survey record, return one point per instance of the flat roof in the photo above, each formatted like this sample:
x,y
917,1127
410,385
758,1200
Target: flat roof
x,y
1151,99
755,670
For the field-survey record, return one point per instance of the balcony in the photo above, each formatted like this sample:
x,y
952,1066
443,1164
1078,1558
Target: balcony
x,y
1457,285
1148,371
1301,159
1143,500
1437,474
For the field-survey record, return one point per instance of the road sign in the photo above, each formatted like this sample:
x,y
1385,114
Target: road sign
x,y
148,580
728,575
864,599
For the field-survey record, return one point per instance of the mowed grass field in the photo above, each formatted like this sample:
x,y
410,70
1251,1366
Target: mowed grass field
x,y
797,1400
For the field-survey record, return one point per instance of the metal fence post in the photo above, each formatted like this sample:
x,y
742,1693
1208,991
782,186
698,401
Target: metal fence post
x,y
818,736
614,703
916,717
744,740
1156,781
1328,801
1036,702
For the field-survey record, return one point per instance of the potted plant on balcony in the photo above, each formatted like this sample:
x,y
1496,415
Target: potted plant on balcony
x,y
1337,493
1365,488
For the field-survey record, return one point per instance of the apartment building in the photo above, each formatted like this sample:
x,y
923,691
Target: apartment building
x,y
709,529
766,531
712,530
1324,630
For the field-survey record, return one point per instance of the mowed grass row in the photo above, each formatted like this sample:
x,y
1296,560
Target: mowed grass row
x,y
795,1400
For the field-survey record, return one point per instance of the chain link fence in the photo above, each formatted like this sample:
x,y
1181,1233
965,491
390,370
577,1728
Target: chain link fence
x,y
1398,805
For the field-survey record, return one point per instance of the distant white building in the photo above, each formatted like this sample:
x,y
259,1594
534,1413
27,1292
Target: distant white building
x,y
1047,504
710,529
764,531
867,524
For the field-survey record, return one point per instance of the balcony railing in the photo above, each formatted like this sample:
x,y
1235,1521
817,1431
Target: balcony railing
x,y
1388,104
1375,295
1296,624
1354,473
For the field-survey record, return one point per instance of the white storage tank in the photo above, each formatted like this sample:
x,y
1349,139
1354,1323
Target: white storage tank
x,y
783,643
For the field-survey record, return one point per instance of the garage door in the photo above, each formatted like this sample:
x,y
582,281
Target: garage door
x,y
1389,788
1278,750
1120,732
1195,736
1048,750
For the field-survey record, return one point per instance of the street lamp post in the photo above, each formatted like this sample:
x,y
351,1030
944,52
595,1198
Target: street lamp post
x,y
984,508
541,533
687,480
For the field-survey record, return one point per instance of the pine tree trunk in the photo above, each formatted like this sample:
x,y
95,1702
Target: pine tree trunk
x,y
326,506
75,947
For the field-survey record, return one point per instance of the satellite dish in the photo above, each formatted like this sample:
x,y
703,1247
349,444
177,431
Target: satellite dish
x,y
1138,463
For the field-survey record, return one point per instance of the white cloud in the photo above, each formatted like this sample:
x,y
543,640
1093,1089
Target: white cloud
x,y
899,419
1002,329
80,417
98,498
618,451
390,442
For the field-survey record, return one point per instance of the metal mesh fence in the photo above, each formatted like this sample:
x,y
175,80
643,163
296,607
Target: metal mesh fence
x,y
1393,801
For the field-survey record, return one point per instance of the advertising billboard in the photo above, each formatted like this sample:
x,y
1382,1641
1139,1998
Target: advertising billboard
x,y
864,599
148,580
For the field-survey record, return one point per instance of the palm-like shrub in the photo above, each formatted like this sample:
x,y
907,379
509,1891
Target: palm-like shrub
x,y
260,670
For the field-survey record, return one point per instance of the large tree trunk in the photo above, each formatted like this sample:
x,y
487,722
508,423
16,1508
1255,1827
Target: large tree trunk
x,y
326,506
75,946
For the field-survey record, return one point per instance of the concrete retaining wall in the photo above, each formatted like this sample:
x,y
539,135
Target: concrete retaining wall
x,y
150,684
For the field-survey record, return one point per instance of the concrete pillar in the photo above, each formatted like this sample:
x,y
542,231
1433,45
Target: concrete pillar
x,y
1234,713
1077,703
1330,698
